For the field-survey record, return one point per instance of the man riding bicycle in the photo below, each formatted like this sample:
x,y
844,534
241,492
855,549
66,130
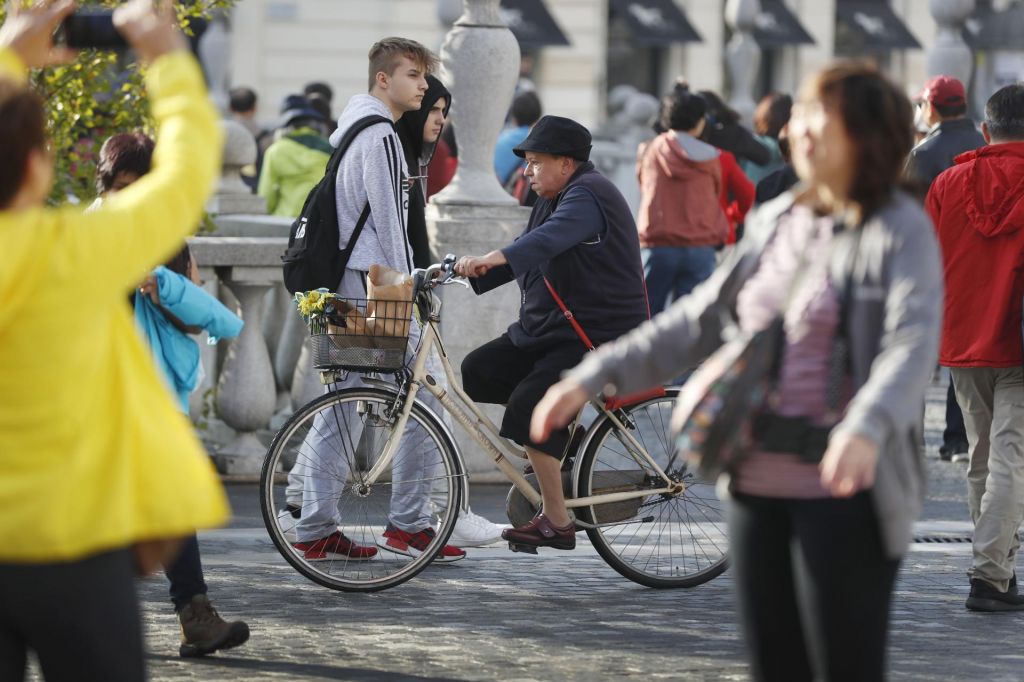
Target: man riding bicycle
x,y
581,246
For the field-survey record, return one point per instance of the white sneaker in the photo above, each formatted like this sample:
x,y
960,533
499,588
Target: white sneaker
x,y
472,530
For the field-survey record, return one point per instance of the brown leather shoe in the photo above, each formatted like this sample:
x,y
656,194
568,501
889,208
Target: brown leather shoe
x,y
541,533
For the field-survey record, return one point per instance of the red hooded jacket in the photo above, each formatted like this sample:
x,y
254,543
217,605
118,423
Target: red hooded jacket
x,y
679,195
978,210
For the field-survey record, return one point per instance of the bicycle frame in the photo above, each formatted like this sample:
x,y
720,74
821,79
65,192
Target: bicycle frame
x,y
486,434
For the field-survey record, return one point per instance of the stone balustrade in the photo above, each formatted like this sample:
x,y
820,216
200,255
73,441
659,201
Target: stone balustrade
x,y
246,388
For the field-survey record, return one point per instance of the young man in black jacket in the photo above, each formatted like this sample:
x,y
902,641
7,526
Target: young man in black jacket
x,y
419,131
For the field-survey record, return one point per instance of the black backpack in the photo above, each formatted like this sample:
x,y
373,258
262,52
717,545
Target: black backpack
x,y
313,259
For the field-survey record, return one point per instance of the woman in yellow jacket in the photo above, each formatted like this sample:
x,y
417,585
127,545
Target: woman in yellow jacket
x,y
99,471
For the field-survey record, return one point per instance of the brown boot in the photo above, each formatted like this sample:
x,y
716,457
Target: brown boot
x,y
540,533
203,631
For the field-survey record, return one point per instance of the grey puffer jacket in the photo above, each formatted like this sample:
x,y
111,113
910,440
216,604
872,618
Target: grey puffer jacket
x,y
894,320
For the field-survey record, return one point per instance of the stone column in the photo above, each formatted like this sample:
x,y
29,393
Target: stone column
x,y
950,55
233,195
468,320
481,67
742,54
215,55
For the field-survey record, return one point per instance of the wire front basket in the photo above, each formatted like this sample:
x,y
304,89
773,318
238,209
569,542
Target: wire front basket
x,y
360,335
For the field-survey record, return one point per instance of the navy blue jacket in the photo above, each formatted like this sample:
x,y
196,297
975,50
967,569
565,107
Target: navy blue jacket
x,y
936,151
584,241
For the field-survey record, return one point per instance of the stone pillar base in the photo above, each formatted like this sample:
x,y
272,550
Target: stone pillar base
x,y
467,320
243,455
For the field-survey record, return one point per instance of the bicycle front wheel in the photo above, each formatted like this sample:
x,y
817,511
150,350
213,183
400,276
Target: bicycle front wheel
x,y
661,540
329,520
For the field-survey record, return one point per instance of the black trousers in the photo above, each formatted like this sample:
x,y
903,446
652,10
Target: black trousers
x,y
814,587
80,617
955,432
186,574
498,372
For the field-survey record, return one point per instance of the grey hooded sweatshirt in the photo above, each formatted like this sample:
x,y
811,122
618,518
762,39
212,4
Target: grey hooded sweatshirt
x,y
373,169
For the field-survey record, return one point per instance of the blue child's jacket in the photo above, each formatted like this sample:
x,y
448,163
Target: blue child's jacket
x,y
176,353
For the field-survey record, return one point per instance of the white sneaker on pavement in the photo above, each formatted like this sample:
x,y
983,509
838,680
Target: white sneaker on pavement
x,y
473,530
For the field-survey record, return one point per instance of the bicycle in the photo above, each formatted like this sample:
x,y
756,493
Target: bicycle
x,y
646,513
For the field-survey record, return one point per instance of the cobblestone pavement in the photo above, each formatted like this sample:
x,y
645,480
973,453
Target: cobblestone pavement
x,y
498,615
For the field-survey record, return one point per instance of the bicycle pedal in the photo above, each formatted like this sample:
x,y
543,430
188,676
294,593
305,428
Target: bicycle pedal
x,y
519,547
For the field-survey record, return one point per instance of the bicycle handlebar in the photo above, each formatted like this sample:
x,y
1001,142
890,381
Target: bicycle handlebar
x,y
438,275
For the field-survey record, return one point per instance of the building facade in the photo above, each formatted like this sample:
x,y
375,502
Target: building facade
x,y
277,46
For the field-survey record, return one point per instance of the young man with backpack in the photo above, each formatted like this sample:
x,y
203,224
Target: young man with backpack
x,y
372,197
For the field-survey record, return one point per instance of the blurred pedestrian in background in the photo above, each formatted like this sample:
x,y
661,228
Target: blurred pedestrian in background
x,y
168,307
681,219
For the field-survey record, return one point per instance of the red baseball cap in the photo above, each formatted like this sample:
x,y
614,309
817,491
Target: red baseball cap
x,y
943,91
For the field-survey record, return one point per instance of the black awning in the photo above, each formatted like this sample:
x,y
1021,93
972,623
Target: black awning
x,y
532,24
870,26
778,27
987,29
656,22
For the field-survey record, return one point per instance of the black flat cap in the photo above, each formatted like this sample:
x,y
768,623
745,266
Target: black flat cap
x,y
559,136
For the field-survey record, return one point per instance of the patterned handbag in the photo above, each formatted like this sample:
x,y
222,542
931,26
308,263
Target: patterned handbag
x,y
712,415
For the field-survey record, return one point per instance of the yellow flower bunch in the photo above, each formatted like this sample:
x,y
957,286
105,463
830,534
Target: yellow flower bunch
x,y
312,302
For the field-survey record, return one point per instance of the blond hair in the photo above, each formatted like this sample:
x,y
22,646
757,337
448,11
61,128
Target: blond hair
x,y
386,53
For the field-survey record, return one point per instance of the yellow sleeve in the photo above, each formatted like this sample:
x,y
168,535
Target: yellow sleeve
x,y
111,249
11,65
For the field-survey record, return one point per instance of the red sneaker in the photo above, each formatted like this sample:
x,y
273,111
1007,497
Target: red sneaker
x,y
335,546
413,544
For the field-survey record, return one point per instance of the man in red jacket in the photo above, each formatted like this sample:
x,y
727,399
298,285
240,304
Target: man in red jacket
x,y
978,209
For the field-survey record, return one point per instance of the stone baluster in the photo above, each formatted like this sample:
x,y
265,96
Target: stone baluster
x,y
481,67
246,393
950,55
742,54
247,268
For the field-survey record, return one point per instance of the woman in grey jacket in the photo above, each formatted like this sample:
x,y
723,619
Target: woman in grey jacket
x,y
822,507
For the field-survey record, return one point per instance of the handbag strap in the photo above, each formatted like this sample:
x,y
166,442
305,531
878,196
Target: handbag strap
x,y
569,316
572,318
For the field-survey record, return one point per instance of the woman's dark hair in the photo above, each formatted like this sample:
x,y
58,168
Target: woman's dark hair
x,y
321,105
319,88
879,119
772,114
718,109
241,100
22,131
682,110
526,108
124,153
1004,113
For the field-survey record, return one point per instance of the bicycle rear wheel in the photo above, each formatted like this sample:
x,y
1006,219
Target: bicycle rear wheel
x,y
662,540
314,483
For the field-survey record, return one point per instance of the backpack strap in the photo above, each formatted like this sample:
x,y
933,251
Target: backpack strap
x,y
335,163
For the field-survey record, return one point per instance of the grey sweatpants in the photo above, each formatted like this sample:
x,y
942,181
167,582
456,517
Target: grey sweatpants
x,y
323,464
992,400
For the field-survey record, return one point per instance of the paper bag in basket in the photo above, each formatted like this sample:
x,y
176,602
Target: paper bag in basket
x,y
346,320
389,302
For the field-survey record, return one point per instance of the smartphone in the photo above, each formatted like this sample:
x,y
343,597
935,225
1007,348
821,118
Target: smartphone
x,y
91,28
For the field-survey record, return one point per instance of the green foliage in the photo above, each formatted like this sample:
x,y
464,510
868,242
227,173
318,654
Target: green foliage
x,y
98,95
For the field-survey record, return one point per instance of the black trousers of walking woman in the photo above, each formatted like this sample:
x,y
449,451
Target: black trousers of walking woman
x,y
814,587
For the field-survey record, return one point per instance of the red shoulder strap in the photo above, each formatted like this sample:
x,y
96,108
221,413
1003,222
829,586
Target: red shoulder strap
x,y
569,316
